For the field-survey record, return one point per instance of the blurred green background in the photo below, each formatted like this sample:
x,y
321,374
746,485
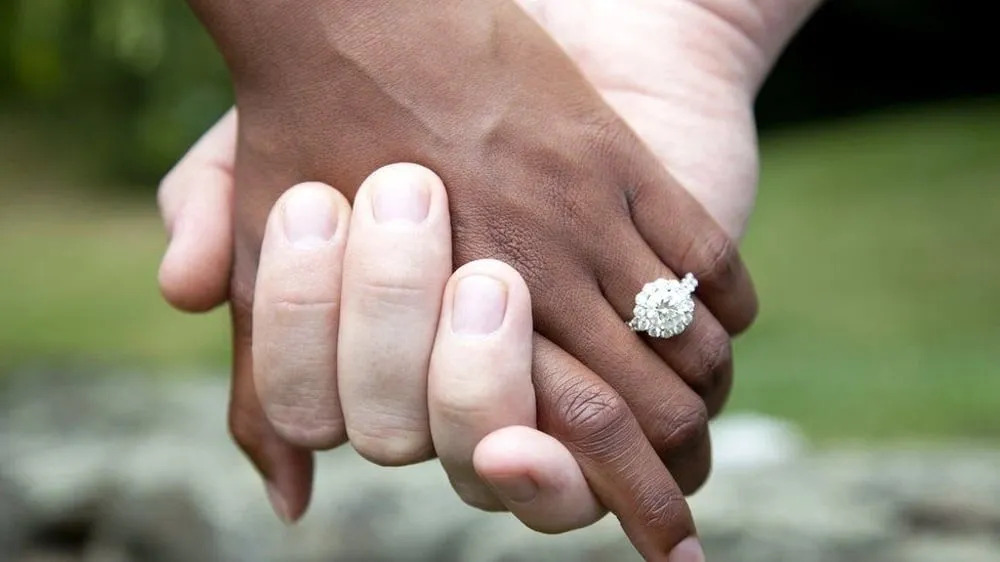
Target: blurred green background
x,y
874,243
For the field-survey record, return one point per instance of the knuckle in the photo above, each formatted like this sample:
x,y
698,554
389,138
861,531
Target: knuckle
x,y
595,418
392,447
303,428
685,428
664,510
605,136
719,366
615,146
694,478
715,360
716,260
393,292
295,306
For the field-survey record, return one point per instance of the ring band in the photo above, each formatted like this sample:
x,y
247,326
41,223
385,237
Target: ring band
x,y
665,307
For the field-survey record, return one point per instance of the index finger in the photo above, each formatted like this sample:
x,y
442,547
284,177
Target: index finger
x,y
623,469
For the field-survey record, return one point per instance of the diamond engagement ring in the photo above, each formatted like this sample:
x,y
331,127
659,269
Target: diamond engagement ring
x,y
664,308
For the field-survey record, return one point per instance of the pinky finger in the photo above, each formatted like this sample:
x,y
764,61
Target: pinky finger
x,y
537,479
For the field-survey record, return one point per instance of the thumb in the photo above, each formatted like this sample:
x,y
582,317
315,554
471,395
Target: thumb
x,y
196,201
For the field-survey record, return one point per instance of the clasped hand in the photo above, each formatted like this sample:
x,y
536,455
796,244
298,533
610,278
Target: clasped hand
x,y
543,175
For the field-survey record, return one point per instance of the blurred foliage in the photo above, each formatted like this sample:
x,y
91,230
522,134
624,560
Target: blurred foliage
x,y
136,79
139,80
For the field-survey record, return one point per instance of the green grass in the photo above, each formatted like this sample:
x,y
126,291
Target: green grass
x,y
78,287
874,247
875,251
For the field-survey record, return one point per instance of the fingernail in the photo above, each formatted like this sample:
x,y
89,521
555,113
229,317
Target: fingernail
x,y
278,503
479,306
517,489
406,200
310,218
689,550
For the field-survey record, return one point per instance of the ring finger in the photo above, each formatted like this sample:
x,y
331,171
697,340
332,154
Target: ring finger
x,y
701,354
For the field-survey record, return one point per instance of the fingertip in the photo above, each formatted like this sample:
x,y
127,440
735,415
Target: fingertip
x,y
500,452
186,294
404,192
689,550
287,470
291,492
519,450
295,484
194,273
537,478
518,296
314,190
493,267
309,215
403,172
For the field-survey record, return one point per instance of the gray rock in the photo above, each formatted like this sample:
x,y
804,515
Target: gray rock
x,y
937,548
16,521
121,470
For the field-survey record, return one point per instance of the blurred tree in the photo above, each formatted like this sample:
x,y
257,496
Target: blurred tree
x,y
138,80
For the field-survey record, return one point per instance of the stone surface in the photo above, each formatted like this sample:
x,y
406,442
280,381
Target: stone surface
x,y
122,470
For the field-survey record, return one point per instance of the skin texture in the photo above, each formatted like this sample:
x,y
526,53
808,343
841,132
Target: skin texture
x,y
590,215
294,298
311,284
686,162
684,81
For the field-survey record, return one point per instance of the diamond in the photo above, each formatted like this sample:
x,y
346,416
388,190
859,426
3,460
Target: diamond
x,y
665,307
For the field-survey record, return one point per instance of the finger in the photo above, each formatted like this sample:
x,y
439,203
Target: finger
x,y
596,425
537,479
686,238
397,263
672,416
196,204
287,470
296,314
480,371
702,354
